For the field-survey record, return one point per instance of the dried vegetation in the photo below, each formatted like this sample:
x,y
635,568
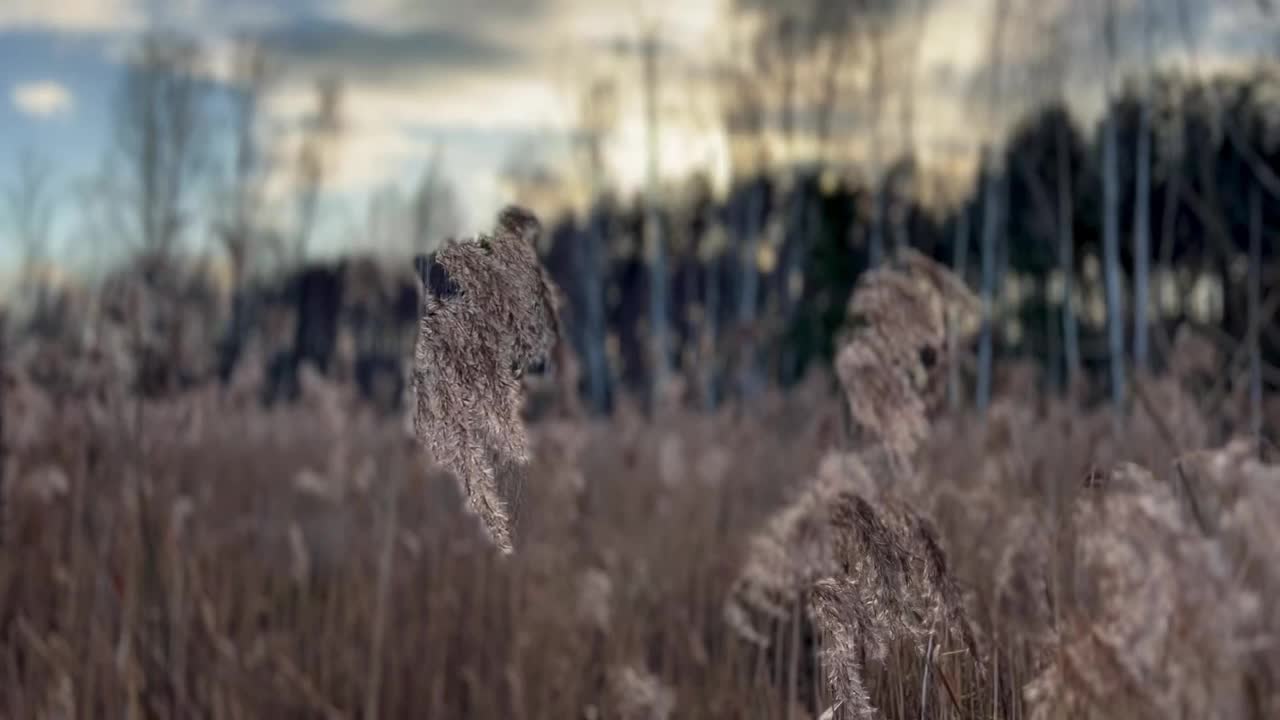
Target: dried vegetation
x,y
847,555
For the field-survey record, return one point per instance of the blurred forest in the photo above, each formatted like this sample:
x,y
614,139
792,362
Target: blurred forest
x,y
1088,241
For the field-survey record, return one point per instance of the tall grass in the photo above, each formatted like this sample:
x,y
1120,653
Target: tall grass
x,y
841,549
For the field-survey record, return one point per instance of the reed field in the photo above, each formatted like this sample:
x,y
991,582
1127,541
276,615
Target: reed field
x,y
846,548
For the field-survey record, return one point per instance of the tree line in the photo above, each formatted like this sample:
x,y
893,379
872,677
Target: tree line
x,y
757,280
1089,244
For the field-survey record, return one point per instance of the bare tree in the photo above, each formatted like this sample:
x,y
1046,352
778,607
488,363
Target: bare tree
x,y
435,214
314,163
784,45
162,133
1052,73
959,266
1067,254
241,231
800,53
837,47
655,247
149,195
747,104
597,119
387,223
597,113
915,34
744,115
1255,309
1111,218
252,76
903,175
991,210
1142,211
775,51
29,205
875,101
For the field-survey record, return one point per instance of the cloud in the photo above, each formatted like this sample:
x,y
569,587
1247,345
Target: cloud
x,y
1236,38
417,14
45,98
352,50
71,15
479,102
476,81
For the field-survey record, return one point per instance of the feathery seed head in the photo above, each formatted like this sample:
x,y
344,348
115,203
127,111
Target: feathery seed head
x,y
488,312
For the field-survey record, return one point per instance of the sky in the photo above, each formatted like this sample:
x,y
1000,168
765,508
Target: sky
x,y
476,88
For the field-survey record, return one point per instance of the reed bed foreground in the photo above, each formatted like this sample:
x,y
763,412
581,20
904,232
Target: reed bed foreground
x,y
851,553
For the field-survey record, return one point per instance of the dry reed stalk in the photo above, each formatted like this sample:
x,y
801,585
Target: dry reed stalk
x,y
870,564
489,311
386,565
905,319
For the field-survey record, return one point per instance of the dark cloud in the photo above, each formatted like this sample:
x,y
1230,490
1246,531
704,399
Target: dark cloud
x,y
363,52
830,16
470,14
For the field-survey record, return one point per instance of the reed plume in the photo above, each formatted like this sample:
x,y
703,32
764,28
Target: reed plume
x,y
489,311
1153,620
872,567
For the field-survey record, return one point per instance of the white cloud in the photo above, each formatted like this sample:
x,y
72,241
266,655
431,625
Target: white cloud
x,y
690,27
474,100
44,98
386,130
546,24
376,156
71,15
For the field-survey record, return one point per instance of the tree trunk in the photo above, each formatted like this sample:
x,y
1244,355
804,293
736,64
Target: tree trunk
x,y
1168,234
1142,238
1255,302
1111,231
594,325
990,212
1111,262
710,330
793,252
656,249
749,279
1067,261
876,249
959,262
1142,247
658,320
990,231
749,284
